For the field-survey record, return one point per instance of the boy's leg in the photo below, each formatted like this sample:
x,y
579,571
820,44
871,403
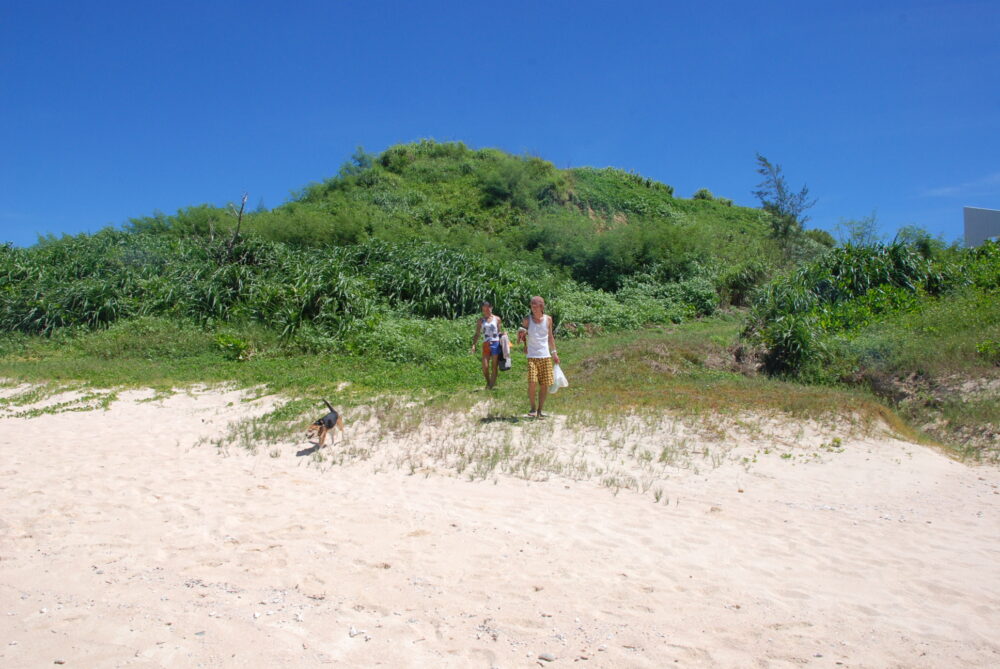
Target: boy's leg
x,y
494,370
486,366
543,392
531,395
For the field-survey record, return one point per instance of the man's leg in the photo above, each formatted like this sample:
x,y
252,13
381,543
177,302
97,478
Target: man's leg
x,y
531,395
543,392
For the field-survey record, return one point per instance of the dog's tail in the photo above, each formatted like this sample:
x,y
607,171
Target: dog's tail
x,y
332,410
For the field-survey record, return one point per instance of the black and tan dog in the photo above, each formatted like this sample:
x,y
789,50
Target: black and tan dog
x,y
325,425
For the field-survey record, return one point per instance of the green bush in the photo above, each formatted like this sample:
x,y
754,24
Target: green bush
x,y
990,350
790,344
609,190
599,225
418,340
233,347
826,310
684,283
737,283
581,309
96,280
433,281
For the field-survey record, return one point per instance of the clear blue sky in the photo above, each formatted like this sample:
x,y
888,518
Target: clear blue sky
x,y
116,109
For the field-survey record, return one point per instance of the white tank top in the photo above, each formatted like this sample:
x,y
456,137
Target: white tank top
x,y
491,332
538,338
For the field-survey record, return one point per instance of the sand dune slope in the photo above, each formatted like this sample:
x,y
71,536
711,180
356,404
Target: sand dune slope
x,y
124,545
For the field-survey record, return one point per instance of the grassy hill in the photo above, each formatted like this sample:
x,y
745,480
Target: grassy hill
x,y
421,231
381,268
597,225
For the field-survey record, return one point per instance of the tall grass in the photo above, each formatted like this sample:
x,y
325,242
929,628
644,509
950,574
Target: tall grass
x,y
375,295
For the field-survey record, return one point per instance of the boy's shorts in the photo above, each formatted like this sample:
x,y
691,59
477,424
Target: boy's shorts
x,y
494,347
540,371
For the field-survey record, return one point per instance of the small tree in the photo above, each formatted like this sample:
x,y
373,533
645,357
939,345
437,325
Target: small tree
x,y
786,207
859,232
924,242
361,161
239,221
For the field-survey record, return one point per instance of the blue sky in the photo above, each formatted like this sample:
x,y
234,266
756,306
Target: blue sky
x,y
116,109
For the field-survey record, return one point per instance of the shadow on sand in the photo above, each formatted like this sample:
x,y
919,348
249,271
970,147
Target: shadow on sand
x,y
501,419
307,451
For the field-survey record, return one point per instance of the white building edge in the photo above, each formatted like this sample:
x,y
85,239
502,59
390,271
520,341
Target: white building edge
x,y
980,225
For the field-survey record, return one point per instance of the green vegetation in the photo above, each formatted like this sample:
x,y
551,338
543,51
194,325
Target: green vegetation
x,y
596,226
367,260
787,207
915,325
685,368
373,278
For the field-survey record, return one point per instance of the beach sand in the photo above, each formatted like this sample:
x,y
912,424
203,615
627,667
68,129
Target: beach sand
x,y
125,544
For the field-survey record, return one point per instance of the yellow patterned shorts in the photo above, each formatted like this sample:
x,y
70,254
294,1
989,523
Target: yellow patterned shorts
x,y
540,371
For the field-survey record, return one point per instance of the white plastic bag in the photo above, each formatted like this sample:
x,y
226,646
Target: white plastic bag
x,y
559,379
505,361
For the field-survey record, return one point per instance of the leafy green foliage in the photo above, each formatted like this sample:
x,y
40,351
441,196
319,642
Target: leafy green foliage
x,y
234,347
394,243
597,225
609,190
416,340
989,350
738,282
583,310
97,280
798,317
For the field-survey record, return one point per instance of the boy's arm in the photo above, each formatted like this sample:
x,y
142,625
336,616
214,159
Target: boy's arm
x,y
475,337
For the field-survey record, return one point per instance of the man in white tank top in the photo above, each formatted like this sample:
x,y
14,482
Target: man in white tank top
x,y
540,342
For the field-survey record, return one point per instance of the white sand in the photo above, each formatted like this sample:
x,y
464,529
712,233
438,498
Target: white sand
x,y
123,545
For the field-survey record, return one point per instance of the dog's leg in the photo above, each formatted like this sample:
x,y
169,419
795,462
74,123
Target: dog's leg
x,y
322,438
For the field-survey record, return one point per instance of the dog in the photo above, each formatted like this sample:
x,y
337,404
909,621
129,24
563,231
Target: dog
x,y
325,425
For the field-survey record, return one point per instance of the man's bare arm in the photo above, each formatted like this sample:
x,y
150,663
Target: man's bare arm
x,y
475,338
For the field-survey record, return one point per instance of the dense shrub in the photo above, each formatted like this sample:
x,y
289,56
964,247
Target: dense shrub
x,y
738,282
409,339
581,309
97,280
434,281
852,288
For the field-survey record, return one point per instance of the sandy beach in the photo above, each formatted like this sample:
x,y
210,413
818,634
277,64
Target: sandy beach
x,y
126,543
